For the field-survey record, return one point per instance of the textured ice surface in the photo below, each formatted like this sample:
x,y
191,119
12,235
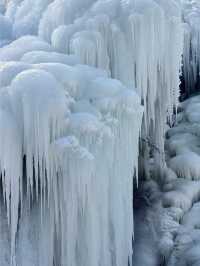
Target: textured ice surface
x,y
63,127
183,142
138,42
168,218
191,59
70,119
15,50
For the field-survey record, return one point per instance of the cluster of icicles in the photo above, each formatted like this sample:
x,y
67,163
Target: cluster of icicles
x,y
139,42
75,132
70,121
191,58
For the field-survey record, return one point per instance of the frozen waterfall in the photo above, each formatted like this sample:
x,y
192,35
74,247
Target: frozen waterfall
x,y
81,82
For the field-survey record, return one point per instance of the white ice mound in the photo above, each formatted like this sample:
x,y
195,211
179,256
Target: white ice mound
x,y
186,165
37,57
192,112
191,219
181,193
8,70
18,48
183,141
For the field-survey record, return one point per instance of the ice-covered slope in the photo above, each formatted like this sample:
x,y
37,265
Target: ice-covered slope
x,y
70,119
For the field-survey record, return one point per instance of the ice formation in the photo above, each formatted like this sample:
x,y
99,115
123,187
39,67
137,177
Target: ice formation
x,y
67,126
183,156
114,36
73,81
191,60
183,141
168,223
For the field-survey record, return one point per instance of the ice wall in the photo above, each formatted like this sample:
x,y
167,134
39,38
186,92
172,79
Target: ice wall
x,y
138,42
70,120
191,59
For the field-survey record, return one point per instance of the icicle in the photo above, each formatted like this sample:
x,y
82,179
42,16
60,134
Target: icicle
x,y
11,167
46,107
191,58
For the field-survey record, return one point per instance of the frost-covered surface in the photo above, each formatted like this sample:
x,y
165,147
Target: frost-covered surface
x,y
183,142
168,217
168,223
